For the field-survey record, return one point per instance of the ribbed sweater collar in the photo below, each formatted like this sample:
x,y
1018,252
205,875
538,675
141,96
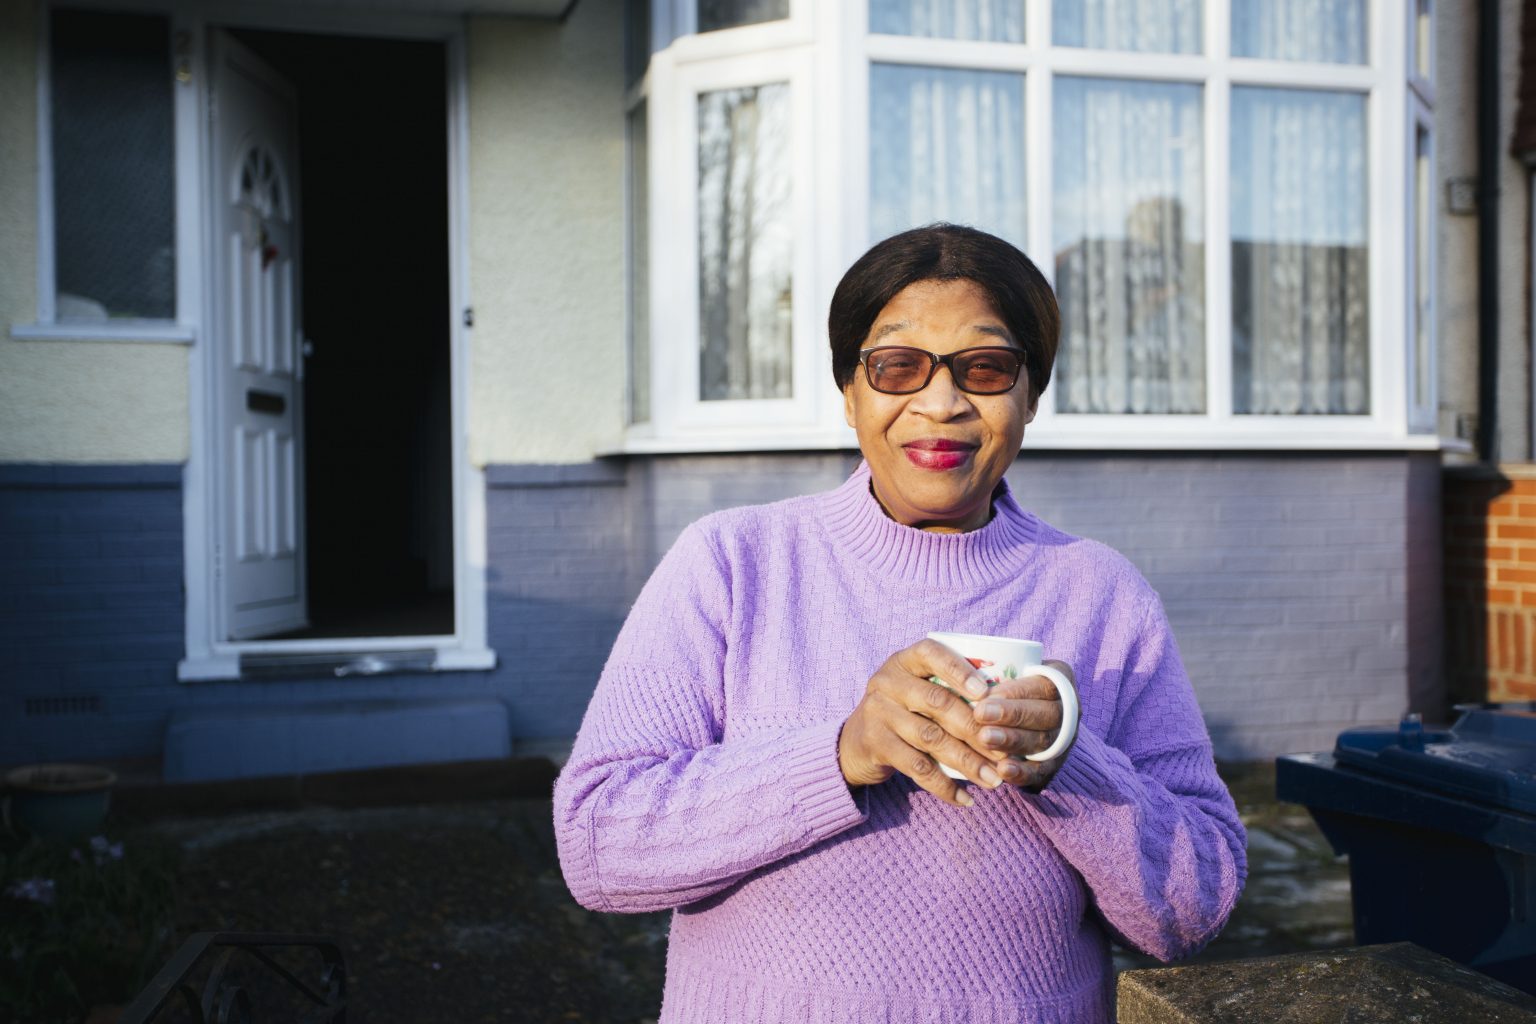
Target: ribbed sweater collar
x,y
863,532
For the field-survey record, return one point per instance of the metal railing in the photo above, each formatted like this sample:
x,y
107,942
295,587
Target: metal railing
x,y
213,972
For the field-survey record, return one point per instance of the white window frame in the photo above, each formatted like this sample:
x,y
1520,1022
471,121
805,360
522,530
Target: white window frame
x,y
844,51
182,329
767,53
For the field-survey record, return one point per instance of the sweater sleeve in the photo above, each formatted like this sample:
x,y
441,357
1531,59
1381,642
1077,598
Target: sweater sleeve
x,y
1141,813
655,809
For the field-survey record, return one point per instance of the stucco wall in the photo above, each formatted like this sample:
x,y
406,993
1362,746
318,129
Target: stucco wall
x,y
67,401
1457,157
546,236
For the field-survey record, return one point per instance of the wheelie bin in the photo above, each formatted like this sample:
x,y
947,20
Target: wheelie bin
x,y
1440,829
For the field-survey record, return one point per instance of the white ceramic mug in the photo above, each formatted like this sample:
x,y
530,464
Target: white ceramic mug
x,y
1001,657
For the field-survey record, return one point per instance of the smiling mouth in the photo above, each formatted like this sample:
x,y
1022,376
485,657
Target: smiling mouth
x,y
938,454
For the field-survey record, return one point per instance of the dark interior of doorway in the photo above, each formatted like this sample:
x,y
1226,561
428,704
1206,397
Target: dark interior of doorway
x,y
373,185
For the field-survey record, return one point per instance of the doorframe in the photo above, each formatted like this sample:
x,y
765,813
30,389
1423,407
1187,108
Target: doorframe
x,y
208,655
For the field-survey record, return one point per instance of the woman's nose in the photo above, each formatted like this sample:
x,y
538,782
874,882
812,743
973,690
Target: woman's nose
x,y
942,398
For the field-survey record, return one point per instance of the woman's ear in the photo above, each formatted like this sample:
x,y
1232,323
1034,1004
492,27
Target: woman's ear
x,y
848,405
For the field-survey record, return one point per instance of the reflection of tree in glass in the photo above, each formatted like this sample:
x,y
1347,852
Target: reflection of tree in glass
x,y
744,243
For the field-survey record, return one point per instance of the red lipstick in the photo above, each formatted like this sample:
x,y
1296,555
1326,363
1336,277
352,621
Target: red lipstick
x,y
937,453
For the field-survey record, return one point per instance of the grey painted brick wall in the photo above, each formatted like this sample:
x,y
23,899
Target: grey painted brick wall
x,y
1303,588
90,607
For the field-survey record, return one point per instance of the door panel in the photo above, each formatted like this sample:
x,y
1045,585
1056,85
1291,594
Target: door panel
x,y
255,215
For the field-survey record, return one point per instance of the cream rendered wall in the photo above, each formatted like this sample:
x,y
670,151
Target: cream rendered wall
x,y
67,401
1457,148
1456,157
546,236
1514,253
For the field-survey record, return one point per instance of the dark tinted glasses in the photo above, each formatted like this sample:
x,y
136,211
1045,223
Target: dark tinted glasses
x,y
898,370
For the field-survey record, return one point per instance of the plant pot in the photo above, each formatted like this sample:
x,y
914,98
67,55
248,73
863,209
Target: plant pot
x,y
58,801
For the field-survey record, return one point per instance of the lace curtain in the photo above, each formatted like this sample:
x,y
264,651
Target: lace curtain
x,y
946,145
1148,26
997,21
1130,247
1300,294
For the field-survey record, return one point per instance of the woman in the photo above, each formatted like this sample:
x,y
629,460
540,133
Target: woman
x,y
756,757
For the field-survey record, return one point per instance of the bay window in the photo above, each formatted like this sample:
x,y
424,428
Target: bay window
x,y
1211,185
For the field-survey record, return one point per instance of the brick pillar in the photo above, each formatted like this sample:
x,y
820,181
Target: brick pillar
x,y
1490,582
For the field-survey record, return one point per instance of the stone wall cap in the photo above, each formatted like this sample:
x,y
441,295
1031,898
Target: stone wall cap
x,y
1395,982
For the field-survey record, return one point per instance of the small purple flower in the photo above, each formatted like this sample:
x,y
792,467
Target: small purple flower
x,y
76,856
104,851
37,890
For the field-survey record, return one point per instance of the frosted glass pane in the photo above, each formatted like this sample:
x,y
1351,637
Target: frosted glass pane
x,y
1300,288
718,14
1146,26
1129,226
1331,31
995,21
745,243
946,145
113,167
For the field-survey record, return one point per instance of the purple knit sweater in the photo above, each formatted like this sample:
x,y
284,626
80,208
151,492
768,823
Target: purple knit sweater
x,y
705,778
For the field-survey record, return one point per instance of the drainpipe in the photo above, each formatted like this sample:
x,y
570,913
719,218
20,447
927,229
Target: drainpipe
x,y
1488,231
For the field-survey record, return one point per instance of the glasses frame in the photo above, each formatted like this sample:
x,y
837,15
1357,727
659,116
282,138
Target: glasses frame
x,y
935,361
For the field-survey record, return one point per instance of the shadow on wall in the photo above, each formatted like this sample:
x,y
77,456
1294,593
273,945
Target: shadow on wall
x,y
1490,585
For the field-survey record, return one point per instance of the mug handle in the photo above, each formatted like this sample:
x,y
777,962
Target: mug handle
x,y
1070,710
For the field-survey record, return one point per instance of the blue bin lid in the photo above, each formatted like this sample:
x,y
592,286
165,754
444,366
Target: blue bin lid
x,y
1488,756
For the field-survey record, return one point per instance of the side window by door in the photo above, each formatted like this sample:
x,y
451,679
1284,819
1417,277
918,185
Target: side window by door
x,y
113,181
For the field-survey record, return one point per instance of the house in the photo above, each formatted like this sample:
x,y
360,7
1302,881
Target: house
x,y
363,356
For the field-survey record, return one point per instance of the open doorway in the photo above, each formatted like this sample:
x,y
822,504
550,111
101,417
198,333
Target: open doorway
x,y
374,278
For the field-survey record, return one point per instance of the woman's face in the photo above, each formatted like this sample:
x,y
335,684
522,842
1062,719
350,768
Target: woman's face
x,y
935,456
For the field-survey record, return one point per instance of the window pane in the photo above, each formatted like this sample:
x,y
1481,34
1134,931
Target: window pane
x,y
1129,226
1423,215
718,14
745,244
639,270
996,21
1149,26
946,145
1333,31
1423,25
113,167
1300,313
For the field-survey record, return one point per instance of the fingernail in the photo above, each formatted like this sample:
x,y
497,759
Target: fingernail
x,y
963,798
994,737
1011,771
991,713
976,686
990,777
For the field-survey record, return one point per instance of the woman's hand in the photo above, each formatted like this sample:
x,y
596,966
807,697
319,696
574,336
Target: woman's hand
x,y
1022,716
906,724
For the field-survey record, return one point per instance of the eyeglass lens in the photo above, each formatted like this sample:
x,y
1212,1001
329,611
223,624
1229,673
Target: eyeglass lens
x,y
980,371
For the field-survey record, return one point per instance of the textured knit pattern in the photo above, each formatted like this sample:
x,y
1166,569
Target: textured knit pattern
x,y
705,778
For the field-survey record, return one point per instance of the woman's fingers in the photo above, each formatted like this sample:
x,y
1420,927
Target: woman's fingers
x,y
929,658
1003,741
932,739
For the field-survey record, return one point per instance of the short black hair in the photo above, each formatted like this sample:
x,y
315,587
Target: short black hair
x,y
946,252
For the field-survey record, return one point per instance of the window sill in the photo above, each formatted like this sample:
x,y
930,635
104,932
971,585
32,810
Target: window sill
x,y
160,331
341,657
1126,438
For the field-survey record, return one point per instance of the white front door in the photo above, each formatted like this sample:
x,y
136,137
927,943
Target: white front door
x,y
260,528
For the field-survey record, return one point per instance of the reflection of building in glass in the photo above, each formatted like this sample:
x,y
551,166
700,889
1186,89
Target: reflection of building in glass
x,y
1300,328
1133,317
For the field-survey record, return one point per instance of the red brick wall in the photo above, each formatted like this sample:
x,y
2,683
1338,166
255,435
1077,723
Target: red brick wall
x,y
1490,583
